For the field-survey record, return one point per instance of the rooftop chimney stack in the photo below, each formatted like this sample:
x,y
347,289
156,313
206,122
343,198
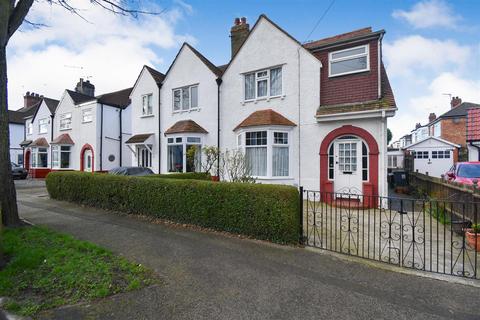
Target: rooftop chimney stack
x,y
85,87
432,117
456,101
31,98
239,33
418,125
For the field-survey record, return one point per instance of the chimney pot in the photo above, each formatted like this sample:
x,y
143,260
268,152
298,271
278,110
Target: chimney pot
x,y
236,22
432,117
455,102
243,20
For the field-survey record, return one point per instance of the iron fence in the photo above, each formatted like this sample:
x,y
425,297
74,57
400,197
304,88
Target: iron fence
x,y
434,236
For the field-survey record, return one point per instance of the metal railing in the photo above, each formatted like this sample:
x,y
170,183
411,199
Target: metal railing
x,y
428,235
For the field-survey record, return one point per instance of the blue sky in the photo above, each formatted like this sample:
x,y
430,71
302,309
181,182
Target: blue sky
x,y
431,47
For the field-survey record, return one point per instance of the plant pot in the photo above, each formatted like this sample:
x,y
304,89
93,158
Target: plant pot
x,y
473,239
215,178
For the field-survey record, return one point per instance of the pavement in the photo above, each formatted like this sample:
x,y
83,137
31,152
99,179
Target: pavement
x,y
208,275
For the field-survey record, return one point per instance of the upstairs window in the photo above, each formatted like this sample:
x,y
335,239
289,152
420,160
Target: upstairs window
x,y
29,128
185,99
43,125
263,84
66,121
147,105
87,115
348,61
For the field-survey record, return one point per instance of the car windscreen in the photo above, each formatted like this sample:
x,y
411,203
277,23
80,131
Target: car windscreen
x,y
469,170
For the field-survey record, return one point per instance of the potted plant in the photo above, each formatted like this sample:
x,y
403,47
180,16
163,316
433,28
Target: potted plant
x,y
473,236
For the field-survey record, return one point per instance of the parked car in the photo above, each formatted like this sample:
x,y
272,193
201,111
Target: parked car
x,y
131,171
18,171
464,172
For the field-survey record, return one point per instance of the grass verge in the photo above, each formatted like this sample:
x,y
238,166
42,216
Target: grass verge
x,y
46,269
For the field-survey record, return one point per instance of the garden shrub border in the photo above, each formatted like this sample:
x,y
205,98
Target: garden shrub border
x,y
182,175
269,212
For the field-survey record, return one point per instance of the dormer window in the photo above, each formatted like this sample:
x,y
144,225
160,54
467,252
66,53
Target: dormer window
x,y
263,84
348,61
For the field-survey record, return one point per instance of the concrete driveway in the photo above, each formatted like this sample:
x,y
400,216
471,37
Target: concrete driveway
x,y
212,276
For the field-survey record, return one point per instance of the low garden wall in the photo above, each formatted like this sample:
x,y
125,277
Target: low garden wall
x,y
269,212
463,199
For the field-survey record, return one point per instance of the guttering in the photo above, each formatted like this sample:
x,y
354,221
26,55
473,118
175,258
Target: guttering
x,y
159,131
362,38
51,139
101,137
219,82
120,137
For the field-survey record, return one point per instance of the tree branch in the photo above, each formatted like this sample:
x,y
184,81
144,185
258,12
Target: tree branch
x,y
17,16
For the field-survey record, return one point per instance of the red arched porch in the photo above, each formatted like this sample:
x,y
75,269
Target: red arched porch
x,y
82,157
26,159
370,188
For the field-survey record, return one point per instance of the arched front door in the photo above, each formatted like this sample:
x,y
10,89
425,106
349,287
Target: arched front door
x,y
26,160
86,158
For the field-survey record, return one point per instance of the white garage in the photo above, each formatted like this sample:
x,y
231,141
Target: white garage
x,y
433,156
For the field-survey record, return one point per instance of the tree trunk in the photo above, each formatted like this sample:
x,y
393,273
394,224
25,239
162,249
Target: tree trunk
x,y
8,196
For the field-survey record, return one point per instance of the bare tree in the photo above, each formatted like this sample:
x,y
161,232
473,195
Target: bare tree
x,y
236,166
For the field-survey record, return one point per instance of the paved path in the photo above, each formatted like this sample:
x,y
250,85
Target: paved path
x,y
211,276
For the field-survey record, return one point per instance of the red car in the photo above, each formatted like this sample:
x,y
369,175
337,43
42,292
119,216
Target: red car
x,y
464,172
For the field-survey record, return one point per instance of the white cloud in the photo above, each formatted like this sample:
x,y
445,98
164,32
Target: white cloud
x,y
412,54
111,49
428,14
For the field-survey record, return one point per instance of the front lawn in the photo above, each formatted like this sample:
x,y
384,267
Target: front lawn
x,y
46,269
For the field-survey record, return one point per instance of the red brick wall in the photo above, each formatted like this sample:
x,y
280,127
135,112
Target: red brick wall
x,y
352,87
454,131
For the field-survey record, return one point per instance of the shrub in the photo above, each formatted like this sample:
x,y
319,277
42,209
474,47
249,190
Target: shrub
x,y
180,175
268,212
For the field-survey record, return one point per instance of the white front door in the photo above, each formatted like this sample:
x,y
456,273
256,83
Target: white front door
x,y
348,173
87,161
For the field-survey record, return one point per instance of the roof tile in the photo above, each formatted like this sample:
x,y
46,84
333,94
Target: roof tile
x,y
265,118
184,126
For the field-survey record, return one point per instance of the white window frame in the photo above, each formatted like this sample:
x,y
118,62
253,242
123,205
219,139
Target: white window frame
x,y
190,108
144,150
332,60
57,151
149,107
182,140
34,156
241,143
30,128
87,118
43,126
64,117
267,77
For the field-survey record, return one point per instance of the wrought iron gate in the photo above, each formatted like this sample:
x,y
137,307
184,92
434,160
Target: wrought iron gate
x,y
434,236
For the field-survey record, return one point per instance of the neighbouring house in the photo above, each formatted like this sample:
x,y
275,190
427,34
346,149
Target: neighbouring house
x,y
395,144
310,114
406,140
473,134
38,136
16,127
452,125
89,131
433,156
144,142
419,133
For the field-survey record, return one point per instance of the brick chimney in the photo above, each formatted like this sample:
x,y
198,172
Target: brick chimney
x,y
239,33
418,125
85,87
31,98
456,101
432,117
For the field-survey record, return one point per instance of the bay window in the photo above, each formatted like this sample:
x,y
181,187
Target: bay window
x,y
263,84
61,156
66,121
184,154
348,61
267,152
39,157
185,99
43,125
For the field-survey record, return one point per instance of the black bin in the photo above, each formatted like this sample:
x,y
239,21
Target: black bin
x,y
400,178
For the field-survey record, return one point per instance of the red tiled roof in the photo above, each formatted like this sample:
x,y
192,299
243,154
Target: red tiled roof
x,y
265,118
63,139
183,126
139,138
473,124
40,142
339,37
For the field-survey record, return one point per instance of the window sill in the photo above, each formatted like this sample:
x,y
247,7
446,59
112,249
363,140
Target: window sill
x,y
263,99
65,129
274,178
147,116
186,111
348,73
86,122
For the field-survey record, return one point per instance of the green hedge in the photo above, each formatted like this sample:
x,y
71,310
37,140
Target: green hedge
x,y
262,211
186,175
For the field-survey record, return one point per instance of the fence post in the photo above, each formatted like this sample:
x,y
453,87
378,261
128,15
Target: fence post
x,y
300,199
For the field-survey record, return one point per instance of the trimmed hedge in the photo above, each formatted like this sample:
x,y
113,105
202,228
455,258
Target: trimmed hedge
x,y
186,175
269,212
